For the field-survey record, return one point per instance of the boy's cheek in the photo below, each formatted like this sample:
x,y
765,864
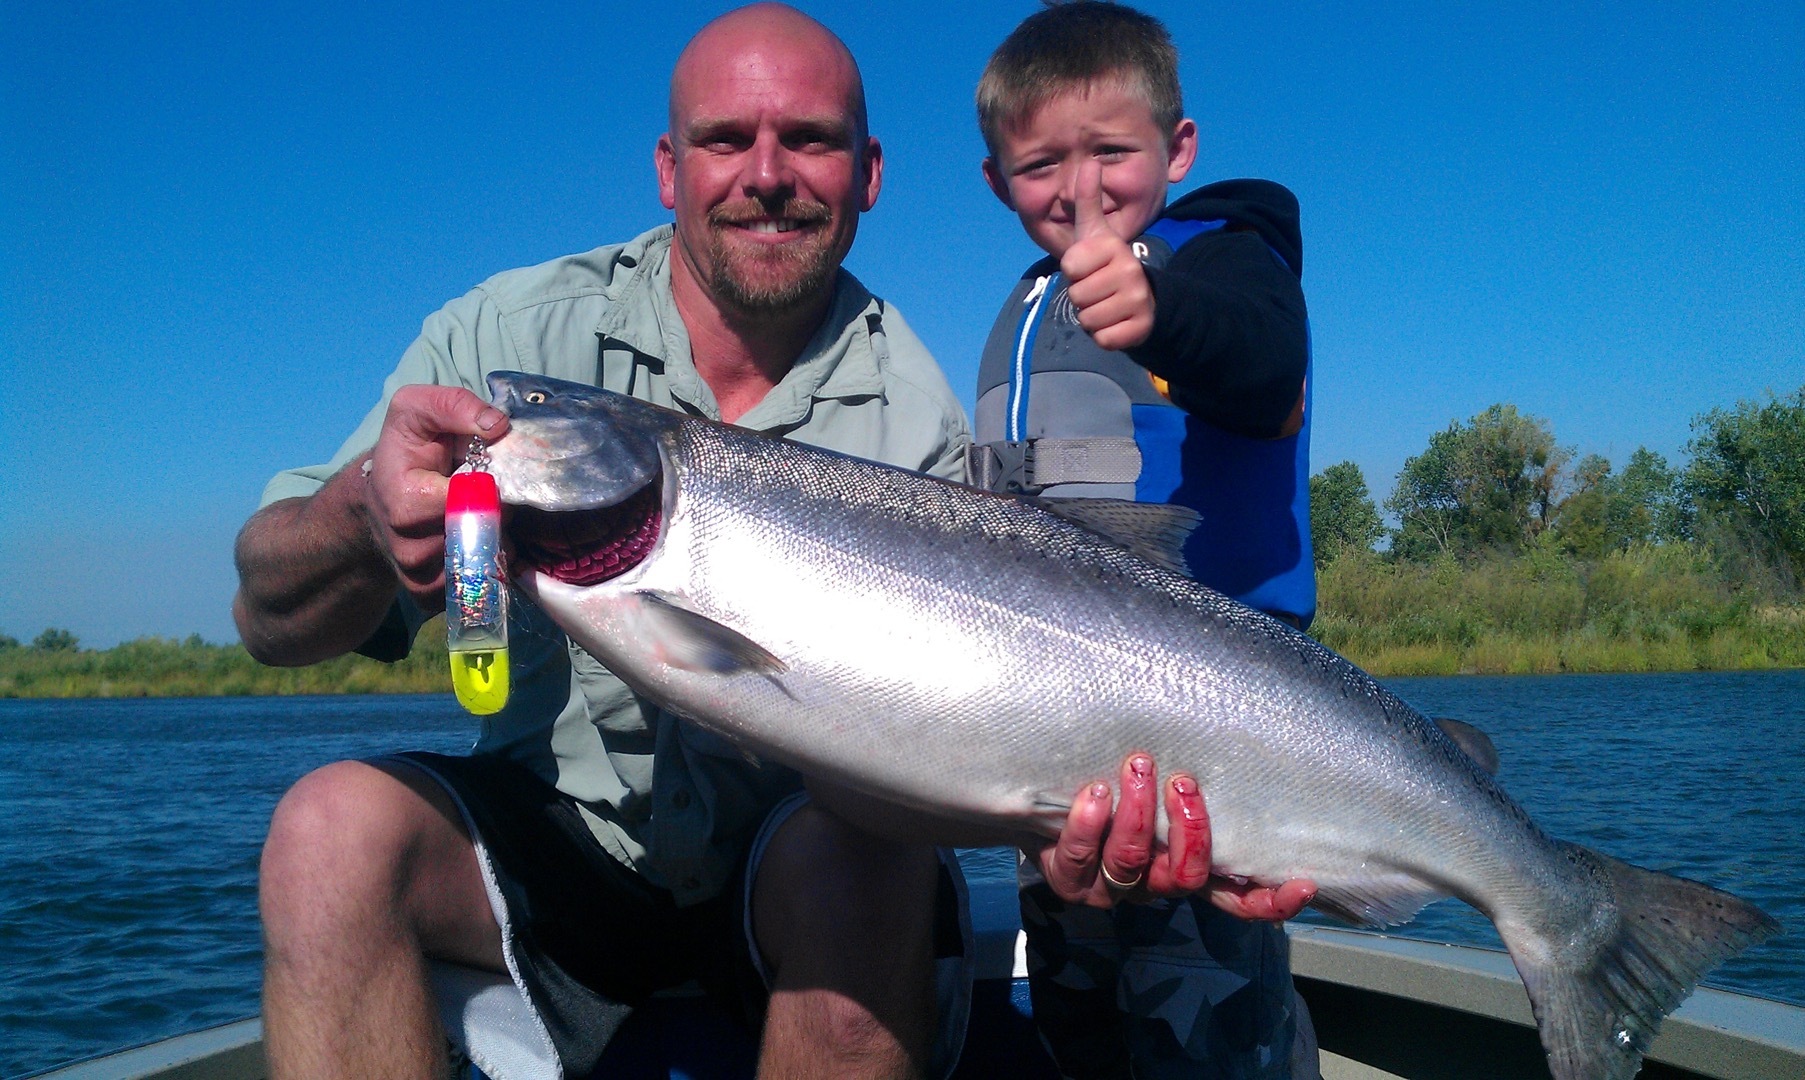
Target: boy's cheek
x,y
1049,237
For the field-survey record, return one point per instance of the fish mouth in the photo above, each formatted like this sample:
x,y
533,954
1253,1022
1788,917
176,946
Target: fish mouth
x,y
587,547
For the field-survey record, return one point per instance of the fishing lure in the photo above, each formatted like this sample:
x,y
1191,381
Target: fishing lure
x,y
476,594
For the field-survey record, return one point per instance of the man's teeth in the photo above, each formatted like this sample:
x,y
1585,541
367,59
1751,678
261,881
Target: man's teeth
x,y
781,225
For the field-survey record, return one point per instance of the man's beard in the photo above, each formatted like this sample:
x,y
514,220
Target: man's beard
x,y
770,280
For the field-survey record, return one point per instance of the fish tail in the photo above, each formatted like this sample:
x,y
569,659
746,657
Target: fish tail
x,y
1600,995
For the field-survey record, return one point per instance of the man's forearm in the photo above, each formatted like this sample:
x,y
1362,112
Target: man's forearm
x,y
312,582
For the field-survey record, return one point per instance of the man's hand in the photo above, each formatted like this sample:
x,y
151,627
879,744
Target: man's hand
x,y
1102,860
1107,283
423,440
317,574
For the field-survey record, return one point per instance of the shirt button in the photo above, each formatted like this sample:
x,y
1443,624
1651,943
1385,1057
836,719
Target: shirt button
x,y
680,798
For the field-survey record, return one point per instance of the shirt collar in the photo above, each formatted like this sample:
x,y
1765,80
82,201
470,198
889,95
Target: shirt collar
x,y
841,361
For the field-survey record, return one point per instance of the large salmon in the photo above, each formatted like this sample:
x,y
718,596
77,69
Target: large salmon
x,y
982,658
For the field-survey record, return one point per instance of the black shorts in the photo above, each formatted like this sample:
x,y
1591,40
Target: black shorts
x,y
587,939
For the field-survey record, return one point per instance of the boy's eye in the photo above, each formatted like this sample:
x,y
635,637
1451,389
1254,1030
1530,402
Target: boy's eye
x,y
1112,155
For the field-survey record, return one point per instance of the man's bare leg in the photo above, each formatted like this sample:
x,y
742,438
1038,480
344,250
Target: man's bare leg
x,y
845,924
365,874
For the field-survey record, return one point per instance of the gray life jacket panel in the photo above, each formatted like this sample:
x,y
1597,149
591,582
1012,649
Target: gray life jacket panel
x,y
1060,417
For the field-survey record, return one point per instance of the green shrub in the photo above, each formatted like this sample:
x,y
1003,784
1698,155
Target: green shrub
x,y
1650,607
165,667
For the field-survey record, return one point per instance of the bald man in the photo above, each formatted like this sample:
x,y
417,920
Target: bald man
x,y
593,847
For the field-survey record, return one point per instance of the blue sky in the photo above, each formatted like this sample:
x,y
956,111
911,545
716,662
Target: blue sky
x,y
221,223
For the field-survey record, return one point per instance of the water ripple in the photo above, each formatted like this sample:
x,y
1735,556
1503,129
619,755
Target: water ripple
x,y
128,865
128,862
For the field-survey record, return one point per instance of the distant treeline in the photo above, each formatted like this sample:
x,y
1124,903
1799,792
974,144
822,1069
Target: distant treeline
x,y
163,667
1508,556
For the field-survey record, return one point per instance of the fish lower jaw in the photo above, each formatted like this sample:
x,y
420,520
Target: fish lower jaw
x,y
613,540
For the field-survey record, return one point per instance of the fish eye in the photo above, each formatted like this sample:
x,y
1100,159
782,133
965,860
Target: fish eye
x,y
535,397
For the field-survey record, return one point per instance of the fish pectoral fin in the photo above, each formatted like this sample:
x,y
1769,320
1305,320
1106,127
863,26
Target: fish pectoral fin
x,y
694,642
1375,902
1155,532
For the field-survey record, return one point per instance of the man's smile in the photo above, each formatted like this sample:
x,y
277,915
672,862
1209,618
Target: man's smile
x,y
763,219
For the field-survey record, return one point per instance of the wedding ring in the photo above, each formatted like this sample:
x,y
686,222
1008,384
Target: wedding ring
x,y
1121,886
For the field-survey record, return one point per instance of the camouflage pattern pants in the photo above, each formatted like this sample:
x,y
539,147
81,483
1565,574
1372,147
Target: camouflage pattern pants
x,y
1163,991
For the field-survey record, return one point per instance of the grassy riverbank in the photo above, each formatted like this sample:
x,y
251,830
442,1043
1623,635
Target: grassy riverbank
x,y
160,667
1653,608
1658,608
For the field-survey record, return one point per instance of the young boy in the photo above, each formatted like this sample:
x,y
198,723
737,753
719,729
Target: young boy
x,y
1159,353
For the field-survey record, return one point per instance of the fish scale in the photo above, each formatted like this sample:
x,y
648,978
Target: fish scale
x,y
980,659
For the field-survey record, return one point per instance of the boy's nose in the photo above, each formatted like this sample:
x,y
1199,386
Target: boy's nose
x,y
1067,191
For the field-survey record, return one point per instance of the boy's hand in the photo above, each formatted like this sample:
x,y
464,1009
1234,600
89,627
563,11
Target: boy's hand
x,y
1107,283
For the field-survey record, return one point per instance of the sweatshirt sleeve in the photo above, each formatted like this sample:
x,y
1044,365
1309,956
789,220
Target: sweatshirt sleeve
x,y
1230,333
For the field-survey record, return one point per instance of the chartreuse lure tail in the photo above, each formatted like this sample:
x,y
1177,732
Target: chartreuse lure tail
x,y
476,596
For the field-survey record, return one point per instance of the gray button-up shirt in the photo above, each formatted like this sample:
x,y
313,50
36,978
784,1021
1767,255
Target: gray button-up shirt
x,y
671,800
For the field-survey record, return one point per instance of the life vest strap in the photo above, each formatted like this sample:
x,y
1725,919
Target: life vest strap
x,y
1032,465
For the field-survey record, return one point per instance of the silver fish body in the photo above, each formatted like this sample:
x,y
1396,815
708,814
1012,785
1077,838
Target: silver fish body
x,y
977,657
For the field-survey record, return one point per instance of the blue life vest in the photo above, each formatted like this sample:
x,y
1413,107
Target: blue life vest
x,y
1060,417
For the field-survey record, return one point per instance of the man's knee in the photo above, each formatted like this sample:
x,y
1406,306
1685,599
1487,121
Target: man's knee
x,y
348,832
333,815
823,881
359,854
845,922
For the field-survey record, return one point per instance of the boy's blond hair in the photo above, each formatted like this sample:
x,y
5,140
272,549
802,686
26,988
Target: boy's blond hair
x,y
1075,44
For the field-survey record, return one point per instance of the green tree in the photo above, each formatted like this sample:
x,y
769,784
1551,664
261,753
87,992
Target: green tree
x,y
7,641
1748,472
1342,515
54,640
1583,522
1608,512
1427,499
1487,484
1650,507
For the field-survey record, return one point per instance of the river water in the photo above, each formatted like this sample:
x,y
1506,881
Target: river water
x,y
129,829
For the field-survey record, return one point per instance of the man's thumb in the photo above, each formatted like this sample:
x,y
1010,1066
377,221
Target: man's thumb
x,y
427,412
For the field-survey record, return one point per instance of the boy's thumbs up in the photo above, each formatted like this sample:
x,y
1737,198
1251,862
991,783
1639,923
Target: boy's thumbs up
x,y
1107,286
1087,202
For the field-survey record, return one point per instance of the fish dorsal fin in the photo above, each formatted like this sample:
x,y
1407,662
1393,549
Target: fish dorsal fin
x,y
1155,532
1474,743
694,642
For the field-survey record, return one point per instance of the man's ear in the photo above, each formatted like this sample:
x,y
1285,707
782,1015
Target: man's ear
x,y
1181,150
873,163
664,159
999,184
